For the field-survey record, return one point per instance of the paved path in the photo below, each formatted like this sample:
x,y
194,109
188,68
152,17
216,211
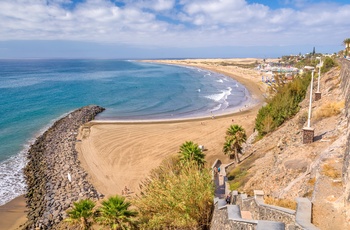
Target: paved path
x,y
220,181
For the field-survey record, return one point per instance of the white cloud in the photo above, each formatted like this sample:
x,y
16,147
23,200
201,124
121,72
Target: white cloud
x,y
191,22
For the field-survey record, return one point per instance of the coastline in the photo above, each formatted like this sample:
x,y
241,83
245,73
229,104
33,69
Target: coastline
x,y
212,130
122,153
49,192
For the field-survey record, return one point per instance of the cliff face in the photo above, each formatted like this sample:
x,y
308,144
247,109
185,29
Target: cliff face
x,y
345,86
286,168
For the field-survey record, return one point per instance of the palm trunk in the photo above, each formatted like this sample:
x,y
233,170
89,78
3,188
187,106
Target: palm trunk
x,y
237,157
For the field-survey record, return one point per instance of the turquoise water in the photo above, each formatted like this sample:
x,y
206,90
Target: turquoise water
x,y
35,93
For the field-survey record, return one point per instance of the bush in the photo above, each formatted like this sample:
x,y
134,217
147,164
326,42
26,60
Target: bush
x,y
283,105
328,63
328,110
281,202
330,171
176,196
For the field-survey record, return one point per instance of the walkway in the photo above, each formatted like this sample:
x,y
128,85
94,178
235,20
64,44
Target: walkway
x,y
219,180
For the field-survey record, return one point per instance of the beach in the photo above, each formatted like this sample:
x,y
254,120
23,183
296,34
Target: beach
x,y
122,154
119,154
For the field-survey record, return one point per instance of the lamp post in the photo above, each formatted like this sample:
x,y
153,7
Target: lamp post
x,y
318,93
308,132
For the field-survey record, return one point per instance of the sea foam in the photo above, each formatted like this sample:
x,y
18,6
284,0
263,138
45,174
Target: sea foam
x,y
12,183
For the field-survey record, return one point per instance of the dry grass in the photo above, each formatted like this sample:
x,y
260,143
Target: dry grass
x,y
176,196
312,181
328,110
285,203
330,171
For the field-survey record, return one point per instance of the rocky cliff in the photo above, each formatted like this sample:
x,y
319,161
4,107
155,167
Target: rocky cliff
x,y
285,168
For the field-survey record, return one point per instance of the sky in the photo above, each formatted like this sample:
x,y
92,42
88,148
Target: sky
x,y
141,29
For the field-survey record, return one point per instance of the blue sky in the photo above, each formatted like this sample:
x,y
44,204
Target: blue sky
x,y
170,28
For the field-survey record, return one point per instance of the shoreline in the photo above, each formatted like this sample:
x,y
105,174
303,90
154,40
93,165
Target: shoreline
x,y
251,86
117,154
49,192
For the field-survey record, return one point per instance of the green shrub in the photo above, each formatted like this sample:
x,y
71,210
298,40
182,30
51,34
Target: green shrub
x,y
235,185
283,105
176,196
328,63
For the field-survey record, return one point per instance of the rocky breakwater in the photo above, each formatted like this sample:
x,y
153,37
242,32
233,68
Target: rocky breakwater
x,y
53,174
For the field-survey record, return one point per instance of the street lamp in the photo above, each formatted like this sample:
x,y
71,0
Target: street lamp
x,y
308,132
318,93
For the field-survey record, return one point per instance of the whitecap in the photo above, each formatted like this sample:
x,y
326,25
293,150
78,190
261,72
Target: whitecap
x,y
220,97
12,183
220,81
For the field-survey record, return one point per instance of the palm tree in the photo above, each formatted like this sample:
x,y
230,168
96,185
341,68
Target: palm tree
x,y
346,42
81,214
190,151
227,149
235,137
115,213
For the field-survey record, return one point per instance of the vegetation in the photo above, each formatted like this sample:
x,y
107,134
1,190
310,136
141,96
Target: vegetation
x,y
346,42
328,110
176,196
239,175
115,213
190,151
235,137
330,171
281,202
283,105
328,63
81,214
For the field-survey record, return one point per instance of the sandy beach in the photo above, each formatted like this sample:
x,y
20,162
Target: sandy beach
x,y
116,155
13,214
120,154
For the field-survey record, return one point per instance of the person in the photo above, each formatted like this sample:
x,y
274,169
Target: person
x,y
215,171
228,199
126,190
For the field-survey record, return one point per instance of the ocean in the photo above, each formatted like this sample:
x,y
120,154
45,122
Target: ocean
x,y
34,93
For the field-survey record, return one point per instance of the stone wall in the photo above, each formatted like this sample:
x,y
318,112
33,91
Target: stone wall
x,y
345,85
228,216
263,216
50,191
261,211
221,219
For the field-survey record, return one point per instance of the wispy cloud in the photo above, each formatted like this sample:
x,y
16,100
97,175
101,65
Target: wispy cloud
x,y
173,23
